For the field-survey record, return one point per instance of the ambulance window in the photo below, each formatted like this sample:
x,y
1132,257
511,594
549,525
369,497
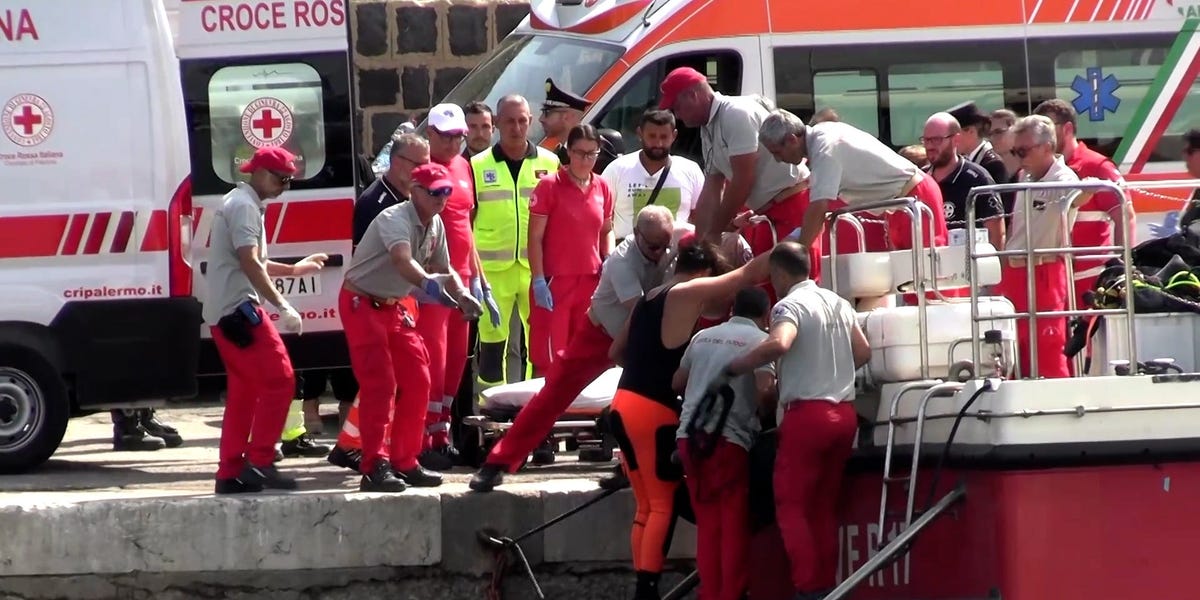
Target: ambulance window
x,y
624,111
918,90
853,94
1108,85
252,106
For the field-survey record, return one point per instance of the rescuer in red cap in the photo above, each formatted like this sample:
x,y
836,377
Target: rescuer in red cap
x,y
259,371
403,252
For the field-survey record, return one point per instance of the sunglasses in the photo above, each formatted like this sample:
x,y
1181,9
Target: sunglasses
x,y
283,179
442,192
651,247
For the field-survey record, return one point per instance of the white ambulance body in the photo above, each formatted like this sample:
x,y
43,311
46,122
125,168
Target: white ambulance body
x,y
97,308
275,74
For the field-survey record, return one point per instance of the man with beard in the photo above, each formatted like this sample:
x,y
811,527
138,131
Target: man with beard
x,y
957,176
479,128
653,175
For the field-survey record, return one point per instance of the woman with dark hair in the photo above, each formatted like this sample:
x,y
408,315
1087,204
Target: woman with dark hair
x,y
645,408
570,235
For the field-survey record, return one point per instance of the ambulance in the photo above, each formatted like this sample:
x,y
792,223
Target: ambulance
x,y
1128,66
97,309
274,73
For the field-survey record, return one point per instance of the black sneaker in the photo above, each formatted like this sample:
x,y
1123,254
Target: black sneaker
x,y
153,426
278,455
137,442
236,486
382,479
419,476
346,459
304,446
488,477
615,481
267,477
438,459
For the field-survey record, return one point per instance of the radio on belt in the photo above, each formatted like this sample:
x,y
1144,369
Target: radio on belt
x,y
249,16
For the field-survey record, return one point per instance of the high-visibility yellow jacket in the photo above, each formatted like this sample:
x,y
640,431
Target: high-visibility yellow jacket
x,y
502,204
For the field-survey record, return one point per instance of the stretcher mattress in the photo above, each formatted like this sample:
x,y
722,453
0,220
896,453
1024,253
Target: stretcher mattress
x,y
511,397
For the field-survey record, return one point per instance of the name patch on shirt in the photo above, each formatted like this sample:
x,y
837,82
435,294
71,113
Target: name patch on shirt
x,y
489,176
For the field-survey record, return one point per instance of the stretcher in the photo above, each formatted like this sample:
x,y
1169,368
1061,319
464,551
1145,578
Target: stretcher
x,y
580,425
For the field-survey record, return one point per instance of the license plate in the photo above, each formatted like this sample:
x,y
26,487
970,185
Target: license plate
x,y
292,287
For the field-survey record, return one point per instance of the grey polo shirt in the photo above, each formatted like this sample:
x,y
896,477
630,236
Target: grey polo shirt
x,y
626,275
820,363
371,269
710,351
238,223
850,163
732,130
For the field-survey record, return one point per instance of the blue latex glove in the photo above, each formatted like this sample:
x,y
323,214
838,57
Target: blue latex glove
x,y
484,295
541,293
435,289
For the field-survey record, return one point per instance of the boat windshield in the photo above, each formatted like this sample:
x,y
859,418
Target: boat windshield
x,y
520,65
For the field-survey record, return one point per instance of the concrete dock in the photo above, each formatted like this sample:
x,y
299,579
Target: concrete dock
x,y
96,524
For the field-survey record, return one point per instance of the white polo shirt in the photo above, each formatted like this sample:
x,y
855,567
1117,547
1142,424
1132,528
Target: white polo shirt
x,y
238,223
820,363
632,184
1053,215
371,269
852,164
732,130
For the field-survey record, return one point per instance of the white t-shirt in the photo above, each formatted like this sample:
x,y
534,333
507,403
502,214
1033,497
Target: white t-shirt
x,y
632,185
1053,215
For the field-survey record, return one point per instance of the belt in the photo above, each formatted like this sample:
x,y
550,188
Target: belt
x,y
796,403
350,287
784,194
913,182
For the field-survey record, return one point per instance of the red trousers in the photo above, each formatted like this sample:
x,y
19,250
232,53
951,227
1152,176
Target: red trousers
x,y
392,367
259,386
550,330
899,223
1050,281
874,233
720,490
445,334
585,359
815,441
786,215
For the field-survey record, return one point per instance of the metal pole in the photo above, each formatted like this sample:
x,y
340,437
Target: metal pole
x,y
976,350
843,589
918,253
1030,295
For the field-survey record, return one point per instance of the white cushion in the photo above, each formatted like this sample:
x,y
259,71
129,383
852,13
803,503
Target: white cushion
x,y
951,267
594,398
860,274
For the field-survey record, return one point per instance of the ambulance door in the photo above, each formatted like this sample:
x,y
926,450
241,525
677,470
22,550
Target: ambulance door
x,y
299,101
729,69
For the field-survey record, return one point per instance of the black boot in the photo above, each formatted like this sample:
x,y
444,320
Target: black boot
x,y
150,422
647,586
130,436
616,481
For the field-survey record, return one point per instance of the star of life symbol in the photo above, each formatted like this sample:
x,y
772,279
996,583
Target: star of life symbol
x,y
267,122
27,120
1096,94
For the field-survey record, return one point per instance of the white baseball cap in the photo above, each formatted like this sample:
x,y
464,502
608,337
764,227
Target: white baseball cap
x,y
448,118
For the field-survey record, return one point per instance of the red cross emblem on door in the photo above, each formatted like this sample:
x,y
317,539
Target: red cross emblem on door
x,y
27,120
267,122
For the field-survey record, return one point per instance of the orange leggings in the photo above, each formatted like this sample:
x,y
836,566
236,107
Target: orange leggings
x,y
645,431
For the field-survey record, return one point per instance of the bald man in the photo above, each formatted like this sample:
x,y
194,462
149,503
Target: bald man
x,y
956,177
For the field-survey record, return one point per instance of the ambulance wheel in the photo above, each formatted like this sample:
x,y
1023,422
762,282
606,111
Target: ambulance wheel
x,y
34,409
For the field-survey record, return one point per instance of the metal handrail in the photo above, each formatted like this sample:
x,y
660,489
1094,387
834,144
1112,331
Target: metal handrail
x,y
913,207
891,441
900,542
940,390
1030,253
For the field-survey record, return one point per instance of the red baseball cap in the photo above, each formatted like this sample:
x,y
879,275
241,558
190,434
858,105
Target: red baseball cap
x,y
271,158
432,176
676,82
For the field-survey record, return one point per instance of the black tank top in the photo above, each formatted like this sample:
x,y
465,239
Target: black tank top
x,y
649,366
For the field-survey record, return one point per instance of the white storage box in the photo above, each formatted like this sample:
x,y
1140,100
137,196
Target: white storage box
x,y
951,263
895,336
1159,335
860,275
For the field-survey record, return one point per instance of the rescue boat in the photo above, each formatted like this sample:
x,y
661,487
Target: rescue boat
x,y
973,482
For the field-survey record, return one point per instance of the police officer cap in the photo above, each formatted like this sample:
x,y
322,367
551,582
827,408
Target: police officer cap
x,y
968,114
557,97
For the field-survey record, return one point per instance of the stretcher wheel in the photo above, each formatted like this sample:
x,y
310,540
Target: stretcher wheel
x,y
595,454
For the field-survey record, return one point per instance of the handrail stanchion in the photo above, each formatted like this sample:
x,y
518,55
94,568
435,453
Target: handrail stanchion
x,y
831,221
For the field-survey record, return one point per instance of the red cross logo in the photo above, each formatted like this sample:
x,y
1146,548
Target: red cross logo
x,y
267,122
27,120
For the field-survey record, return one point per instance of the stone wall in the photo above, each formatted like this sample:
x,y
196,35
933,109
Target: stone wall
x,y
409,53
